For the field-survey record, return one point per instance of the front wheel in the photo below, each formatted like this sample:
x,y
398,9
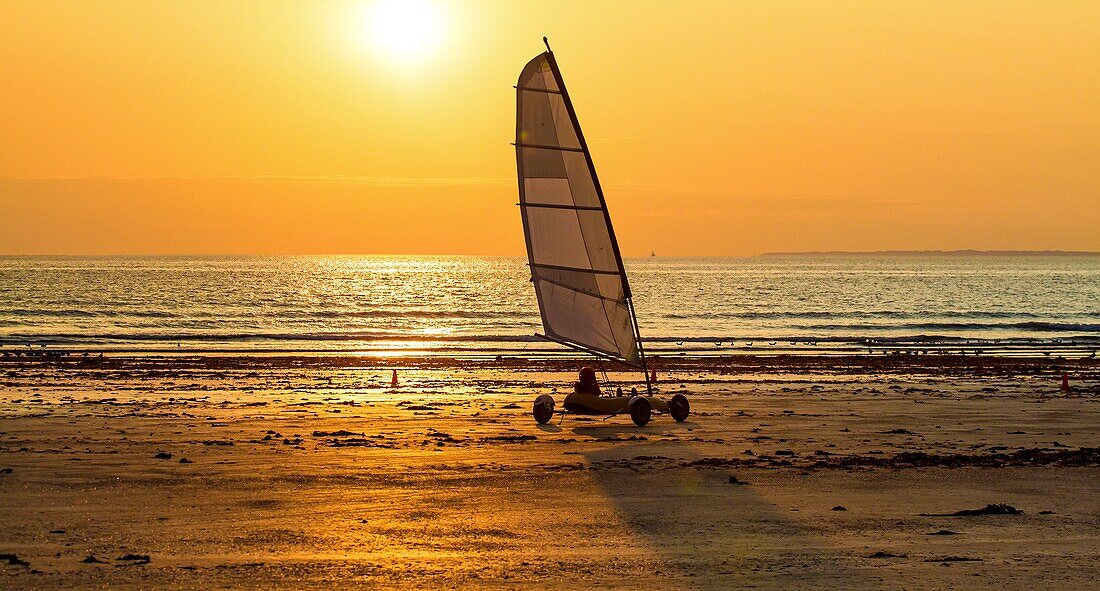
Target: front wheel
x,y
543,409
640,410
679,408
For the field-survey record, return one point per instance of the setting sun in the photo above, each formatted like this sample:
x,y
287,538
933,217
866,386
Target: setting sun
x,y
402,29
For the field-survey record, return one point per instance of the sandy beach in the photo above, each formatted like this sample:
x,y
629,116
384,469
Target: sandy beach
x,y
256,471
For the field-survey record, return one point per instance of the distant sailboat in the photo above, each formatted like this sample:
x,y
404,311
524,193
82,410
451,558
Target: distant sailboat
x,y
576,267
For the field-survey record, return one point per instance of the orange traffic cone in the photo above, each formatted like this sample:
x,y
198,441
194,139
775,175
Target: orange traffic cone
x,y
1065,382
393,380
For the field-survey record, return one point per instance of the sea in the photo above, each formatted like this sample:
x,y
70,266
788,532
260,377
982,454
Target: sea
x,y
460,305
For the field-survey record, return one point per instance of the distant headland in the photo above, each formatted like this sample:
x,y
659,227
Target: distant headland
x,y
942,253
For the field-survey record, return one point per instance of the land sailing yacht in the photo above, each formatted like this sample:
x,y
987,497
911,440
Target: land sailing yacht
x,y
576,268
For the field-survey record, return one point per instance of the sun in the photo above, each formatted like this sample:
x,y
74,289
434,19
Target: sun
x,y
403,30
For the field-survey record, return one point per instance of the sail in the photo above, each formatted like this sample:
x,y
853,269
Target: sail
x,y
576,267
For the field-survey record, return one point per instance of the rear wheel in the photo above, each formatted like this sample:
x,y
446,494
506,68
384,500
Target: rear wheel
x,y
679,408
640,411
543,409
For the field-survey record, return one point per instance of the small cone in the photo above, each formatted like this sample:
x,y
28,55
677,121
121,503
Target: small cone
x,y
1065,382
653,376
393,380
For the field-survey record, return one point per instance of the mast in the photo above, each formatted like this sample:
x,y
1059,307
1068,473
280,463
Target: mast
x,y
627,294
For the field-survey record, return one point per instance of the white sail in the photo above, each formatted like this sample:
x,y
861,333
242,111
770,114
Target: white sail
x,y
576,267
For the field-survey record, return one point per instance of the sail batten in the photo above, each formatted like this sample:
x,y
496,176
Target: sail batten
x,y
562,206
533,89
542,147
576,267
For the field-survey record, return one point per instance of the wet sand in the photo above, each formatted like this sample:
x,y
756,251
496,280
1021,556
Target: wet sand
x,y
312,472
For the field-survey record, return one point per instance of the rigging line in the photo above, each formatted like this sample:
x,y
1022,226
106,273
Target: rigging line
x,y
617,390
603,372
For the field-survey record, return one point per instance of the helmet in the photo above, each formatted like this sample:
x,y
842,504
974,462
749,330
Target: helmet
x,y
587,375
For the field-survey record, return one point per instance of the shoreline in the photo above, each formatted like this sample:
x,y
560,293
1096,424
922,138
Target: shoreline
x,y
1079,348
721,363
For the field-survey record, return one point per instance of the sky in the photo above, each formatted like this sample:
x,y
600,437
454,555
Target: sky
x,y
717,128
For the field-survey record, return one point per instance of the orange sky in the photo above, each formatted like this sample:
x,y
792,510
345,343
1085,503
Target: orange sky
x,y
717,128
